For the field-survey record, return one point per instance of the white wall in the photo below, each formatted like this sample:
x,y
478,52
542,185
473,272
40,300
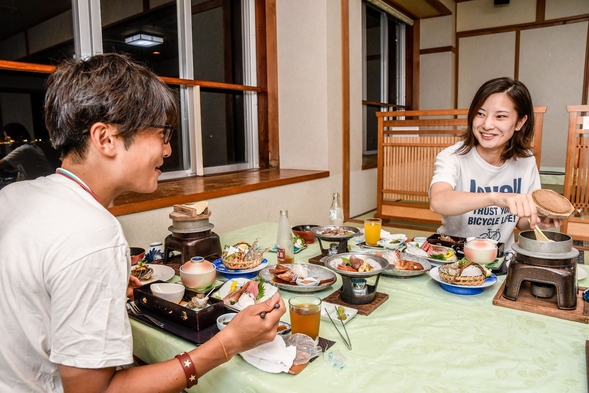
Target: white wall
x,y
437,70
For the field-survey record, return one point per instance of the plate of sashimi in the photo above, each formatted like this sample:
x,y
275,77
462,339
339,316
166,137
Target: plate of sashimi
x,y
239,293
437,255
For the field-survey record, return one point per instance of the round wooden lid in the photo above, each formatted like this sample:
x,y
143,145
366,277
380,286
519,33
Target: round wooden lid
x,y
552,204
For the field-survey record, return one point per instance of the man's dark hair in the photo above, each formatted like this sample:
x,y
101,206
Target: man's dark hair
x,y
108,88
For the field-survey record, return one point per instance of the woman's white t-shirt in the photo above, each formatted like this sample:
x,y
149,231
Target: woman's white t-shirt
x,y
470,173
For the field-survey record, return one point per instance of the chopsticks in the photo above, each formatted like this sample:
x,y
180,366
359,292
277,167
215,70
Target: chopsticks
x,y
348,342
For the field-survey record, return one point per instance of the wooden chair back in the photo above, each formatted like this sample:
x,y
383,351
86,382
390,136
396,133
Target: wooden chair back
x,y
408,143
576,175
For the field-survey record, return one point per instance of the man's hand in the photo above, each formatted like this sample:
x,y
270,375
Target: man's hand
x,y
134,282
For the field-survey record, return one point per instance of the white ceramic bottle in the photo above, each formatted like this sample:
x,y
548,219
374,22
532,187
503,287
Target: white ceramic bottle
x,y
284,244
336,213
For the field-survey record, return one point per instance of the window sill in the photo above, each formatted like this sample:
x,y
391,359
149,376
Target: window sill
x,y
369,161
178,191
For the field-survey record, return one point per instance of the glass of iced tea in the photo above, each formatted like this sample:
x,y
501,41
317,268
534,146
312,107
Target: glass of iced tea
x,y
372,228
305,314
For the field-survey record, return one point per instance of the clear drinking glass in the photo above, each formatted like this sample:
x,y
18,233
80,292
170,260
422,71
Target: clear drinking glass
x,y
372,228
305,315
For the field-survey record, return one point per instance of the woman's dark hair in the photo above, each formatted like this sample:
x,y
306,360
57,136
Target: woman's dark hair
x,y
520,144
17,133
108,88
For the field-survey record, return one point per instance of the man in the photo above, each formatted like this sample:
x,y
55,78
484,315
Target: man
x,y
65,264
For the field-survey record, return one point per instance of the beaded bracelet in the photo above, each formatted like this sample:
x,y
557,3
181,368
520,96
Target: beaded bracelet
x,y
189,370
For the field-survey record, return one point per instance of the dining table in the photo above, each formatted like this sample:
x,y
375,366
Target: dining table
x,y
421,339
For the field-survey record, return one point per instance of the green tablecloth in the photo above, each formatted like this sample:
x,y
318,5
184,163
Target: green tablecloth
x,y
421,339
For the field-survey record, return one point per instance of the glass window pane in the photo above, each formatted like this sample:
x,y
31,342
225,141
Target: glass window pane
x,y
373,55
223,128
128,21
178,143
36,31
21,101
216,41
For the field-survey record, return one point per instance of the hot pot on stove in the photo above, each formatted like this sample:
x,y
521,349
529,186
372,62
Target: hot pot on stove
x,y
550,268
358,287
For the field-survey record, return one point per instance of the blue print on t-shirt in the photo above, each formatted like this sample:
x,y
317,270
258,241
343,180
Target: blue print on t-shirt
x,y
514,188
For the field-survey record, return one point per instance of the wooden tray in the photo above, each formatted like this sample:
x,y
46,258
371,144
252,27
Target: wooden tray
x,y
363,309
528,302
316,260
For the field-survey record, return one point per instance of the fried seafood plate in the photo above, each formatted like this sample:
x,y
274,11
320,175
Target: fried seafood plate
x,y
285,274
408,265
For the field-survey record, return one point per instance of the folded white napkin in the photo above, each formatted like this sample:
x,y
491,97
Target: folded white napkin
x,y
272,357
387,235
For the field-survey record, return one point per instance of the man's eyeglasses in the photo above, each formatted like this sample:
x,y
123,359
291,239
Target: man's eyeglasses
x,y
168,131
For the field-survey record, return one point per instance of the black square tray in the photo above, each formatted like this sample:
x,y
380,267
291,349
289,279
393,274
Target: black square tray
x,y
458,244
196,320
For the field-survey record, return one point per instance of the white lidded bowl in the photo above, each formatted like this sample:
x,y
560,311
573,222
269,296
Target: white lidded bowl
x,y
198,273
482,251
170,292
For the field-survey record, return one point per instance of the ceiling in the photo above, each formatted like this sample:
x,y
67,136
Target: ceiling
x,y
420,9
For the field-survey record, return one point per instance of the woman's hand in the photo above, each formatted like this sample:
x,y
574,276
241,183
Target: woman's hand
x,y
521,205
248,329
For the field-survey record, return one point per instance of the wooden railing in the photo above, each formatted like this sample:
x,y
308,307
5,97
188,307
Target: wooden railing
x,y
576,175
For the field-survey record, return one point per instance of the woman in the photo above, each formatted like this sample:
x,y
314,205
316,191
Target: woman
x,y
26,158
482,186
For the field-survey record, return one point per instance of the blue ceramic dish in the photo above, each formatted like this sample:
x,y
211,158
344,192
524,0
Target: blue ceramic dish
x,y
245,273
462,289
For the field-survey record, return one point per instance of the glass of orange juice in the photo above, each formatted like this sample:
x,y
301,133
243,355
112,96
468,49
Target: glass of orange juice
x,y
305,315
372,228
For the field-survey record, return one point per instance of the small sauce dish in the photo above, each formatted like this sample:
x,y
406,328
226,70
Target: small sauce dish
x,y
283,328
307,281
224,320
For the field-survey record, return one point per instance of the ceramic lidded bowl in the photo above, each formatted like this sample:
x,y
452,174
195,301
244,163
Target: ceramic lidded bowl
x,y
137,254
198,273
481,251
305,232
170,292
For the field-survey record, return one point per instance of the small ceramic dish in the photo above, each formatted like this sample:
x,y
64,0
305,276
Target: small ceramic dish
x,y
170,292
224,320
283,328
307,281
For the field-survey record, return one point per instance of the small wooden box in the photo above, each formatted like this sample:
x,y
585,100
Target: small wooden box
x,y
196,320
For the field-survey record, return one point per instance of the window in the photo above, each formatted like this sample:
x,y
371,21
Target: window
x,y
383,65
207,53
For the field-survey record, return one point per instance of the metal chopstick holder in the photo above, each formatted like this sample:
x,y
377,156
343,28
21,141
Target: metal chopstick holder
x,y
348,342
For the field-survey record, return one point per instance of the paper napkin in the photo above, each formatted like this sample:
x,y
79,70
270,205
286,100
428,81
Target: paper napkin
x,y
272,357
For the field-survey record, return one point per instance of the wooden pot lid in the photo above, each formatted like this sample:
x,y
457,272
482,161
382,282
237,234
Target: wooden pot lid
x,y
552,204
